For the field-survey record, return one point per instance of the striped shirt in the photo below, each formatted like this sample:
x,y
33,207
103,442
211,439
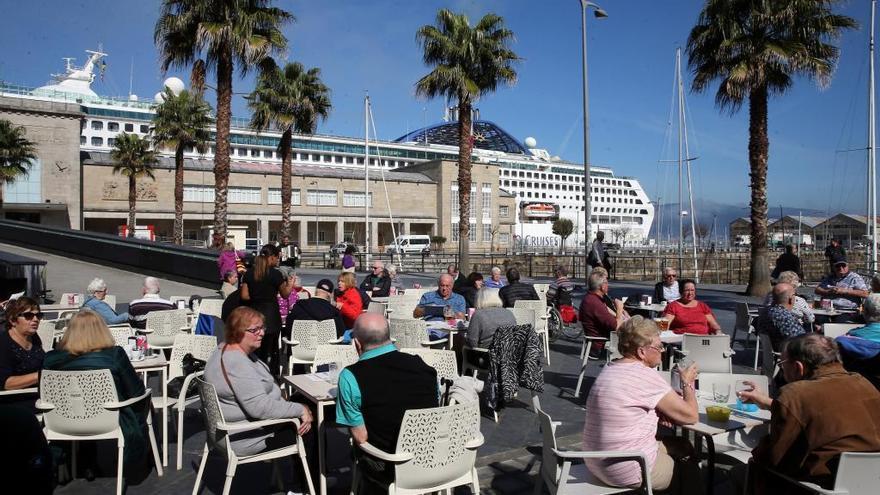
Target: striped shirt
x,y
621,416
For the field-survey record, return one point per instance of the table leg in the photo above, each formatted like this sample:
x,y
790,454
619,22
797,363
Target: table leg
x,y
165,416
322,466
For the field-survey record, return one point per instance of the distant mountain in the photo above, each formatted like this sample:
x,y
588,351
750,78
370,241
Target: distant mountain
x,y
707,210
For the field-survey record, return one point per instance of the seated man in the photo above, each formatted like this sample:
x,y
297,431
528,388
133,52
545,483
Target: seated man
x,y
378,283
596,318
822,412
777,320
516,290
559,291
668,289
316,308
375,392
495,280
151,301
845,288
443,296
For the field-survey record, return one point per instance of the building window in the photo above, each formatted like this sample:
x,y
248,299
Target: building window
x,y
26,188
454,202
129,127
97,125
198,194
454,231
274,197
472,205
246,195
267,154
472,232
111,142
255,153
504,238
145,128
355,198
82,140
487,201
97,141
113,126
317,197
487,232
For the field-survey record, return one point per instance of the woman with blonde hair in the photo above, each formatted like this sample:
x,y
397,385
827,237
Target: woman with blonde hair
x,y
489,316
87,344
348,298
625,404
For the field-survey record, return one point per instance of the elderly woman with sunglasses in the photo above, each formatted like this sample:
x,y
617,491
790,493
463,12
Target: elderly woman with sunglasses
x,y
626,402
245,386
21,351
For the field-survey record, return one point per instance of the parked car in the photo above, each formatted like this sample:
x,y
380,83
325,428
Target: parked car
x,y
339,249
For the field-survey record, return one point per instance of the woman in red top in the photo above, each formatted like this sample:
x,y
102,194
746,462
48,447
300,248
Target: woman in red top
x,y
687,315
348,299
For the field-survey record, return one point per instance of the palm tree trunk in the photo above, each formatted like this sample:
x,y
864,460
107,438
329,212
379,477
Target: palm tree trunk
x,y
286,166
132,203
178,194
465,145
759,147
221,157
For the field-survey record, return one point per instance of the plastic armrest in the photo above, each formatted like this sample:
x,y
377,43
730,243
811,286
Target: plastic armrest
x,y
477,349
434,342
20,391
596,339
43,405
120,404
143,330
253,425
593,454
728,353
475,442
289,342
683,352
385,456
181,399
335,341
803,484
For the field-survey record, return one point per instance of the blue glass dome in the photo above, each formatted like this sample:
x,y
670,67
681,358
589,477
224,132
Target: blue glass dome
x,y
487,136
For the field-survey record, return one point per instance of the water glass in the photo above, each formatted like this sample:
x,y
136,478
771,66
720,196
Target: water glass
x,y
333,373
721,392
740,387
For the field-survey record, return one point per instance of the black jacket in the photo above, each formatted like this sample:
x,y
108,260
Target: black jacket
x,y
517,291
382,286
788,262
314,308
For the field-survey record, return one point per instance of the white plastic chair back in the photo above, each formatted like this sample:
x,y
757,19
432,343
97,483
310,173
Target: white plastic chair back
x,y
857,473
175,300
376,307
710,352
121,333
549,466
834,330
523,316
612,352
216,438
200,346
110,299
408,334
306,292
437,438
79,398
165,325
310,334
416,293
440,359
706,380
213,307
768,360
402,306
541,289
743,318
540,309
344,355
46,332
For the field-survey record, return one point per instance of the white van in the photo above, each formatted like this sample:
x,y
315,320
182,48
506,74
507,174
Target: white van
x,y
410,244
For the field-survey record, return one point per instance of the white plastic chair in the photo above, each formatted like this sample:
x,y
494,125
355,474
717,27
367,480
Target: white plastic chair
x,y
83,405
305,336
213,307
540,321
121,333
769,357
411,334
441,360
743,323
401,306
856,475
217,431
110,299
564,471
436,451
585,356
377,307
343,355
46,332
541,289
163,326
834,330
711,352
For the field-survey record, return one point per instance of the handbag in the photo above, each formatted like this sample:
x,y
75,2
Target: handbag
x,y
189,365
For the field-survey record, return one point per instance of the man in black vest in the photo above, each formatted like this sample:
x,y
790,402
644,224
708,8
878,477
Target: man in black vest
x,y
317,308
375,392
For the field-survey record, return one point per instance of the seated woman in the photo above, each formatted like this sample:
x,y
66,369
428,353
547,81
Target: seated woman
x,y
97,291
396,283
801,308
625,404
687,315
489,316
871,314
230,283
87,344
469,289
21,351
348,299
245,387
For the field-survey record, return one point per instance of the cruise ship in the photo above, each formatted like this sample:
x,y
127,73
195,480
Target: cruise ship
x,y
545,187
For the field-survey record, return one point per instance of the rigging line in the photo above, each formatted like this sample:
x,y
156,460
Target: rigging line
x,y
382,173
845,136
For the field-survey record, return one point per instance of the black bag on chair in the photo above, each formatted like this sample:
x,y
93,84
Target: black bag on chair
x,y
190,365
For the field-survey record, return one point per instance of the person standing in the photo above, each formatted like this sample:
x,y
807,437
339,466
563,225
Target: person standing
x,y
348,259
260,288
598,256
788,262
834,252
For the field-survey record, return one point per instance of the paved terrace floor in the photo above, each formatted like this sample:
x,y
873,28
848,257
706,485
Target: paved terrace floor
x,y
507,462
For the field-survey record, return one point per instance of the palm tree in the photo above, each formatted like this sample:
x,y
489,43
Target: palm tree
x,y
181,121
134,159
468,62
16,154
219,35
288,99
755,49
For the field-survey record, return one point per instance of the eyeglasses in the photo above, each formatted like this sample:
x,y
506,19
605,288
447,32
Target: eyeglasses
x,y
670,275
658,348
377,268
30,315
256,330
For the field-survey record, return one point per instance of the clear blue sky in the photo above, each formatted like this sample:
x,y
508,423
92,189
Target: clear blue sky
x,y
371,46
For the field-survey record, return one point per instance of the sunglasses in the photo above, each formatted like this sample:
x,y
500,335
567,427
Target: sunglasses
x,y
30,315
256,330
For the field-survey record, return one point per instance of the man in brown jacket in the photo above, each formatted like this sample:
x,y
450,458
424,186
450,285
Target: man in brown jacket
x,y
822,412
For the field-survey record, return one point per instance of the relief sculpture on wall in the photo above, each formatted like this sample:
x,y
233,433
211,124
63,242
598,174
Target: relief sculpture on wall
x,y
118,191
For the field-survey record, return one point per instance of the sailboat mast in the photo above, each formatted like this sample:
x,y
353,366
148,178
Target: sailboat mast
x,y
872,153
687,160
367,177
680,158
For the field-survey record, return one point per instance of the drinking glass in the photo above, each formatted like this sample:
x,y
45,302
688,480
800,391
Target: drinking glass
x,y
740,387
721,392
333,373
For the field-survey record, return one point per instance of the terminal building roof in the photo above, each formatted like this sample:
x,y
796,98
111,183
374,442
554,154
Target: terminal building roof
x,y
487,136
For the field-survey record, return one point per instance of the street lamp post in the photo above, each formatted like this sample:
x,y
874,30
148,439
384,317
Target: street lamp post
x,y
599,13
315,183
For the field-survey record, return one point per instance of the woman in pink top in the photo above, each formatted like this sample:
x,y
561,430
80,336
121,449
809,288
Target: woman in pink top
x,y
286,303
687,315
625,404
